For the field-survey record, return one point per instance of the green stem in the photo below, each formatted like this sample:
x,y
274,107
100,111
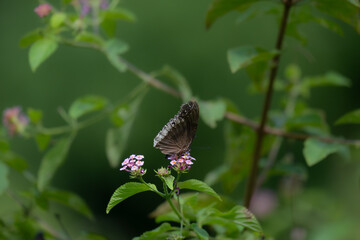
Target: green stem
x,y
182,214
176,211
77,126
152,189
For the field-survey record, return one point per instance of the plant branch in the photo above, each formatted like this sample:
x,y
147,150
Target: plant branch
x,y
273,154
152,81
282,133
260,131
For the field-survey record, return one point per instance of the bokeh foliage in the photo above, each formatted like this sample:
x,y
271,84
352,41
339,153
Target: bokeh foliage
x,y
293,93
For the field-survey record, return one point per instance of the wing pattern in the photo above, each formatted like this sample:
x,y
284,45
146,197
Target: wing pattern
x,y
177,135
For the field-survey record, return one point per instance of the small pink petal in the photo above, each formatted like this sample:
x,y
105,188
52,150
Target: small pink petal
x,y
139,163
173,162
134,168
189,162
125,162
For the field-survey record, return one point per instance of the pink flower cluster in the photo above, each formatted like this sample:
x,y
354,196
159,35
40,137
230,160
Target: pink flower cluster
x,y
43,10
14,120
133,163
182,162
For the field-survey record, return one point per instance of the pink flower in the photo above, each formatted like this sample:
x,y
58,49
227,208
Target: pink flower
x,y
14,120
125,162
123,168
298,233
181,163
43,10
133,165
189,162
263,203
139,163
134,168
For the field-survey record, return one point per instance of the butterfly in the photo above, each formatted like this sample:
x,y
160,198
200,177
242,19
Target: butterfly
x,y
177,135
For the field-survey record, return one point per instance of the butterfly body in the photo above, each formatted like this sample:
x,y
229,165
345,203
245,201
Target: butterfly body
x,y
177,135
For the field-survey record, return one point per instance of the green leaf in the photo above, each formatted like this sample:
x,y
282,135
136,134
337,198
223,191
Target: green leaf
x,y
169,180
24,228
57,19
293,72
110,16
14,161
352,117
198,185
116,138
4,181
89,37
4,145
345,11
87,104
304,14
70,200
40,51
51,161
244,56
257,73
306,119
113,48
328,79
155,233
201,233
178,79
125,191
212,111
30,38
42,141
34,115
292,30
120,114
109,26
315,151
118,14
219,8
91,236
238,215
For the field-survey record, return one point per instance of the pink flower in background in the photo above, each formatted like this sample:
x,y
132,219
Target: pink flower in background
x,y
43,10
298,233
14,120
263,202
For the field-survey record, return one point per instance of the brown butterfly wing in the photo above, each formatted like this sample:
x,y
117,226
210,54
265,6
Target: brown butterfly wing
x,y
178,134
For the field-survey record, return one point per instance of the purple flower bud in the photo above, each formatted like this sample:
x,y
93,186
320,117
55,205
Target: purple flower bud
x,y
263,203
104,4
85,7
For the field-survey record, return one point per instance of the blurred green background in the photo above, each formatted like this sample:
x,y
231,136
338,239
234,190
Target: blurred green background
x,y
173,33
